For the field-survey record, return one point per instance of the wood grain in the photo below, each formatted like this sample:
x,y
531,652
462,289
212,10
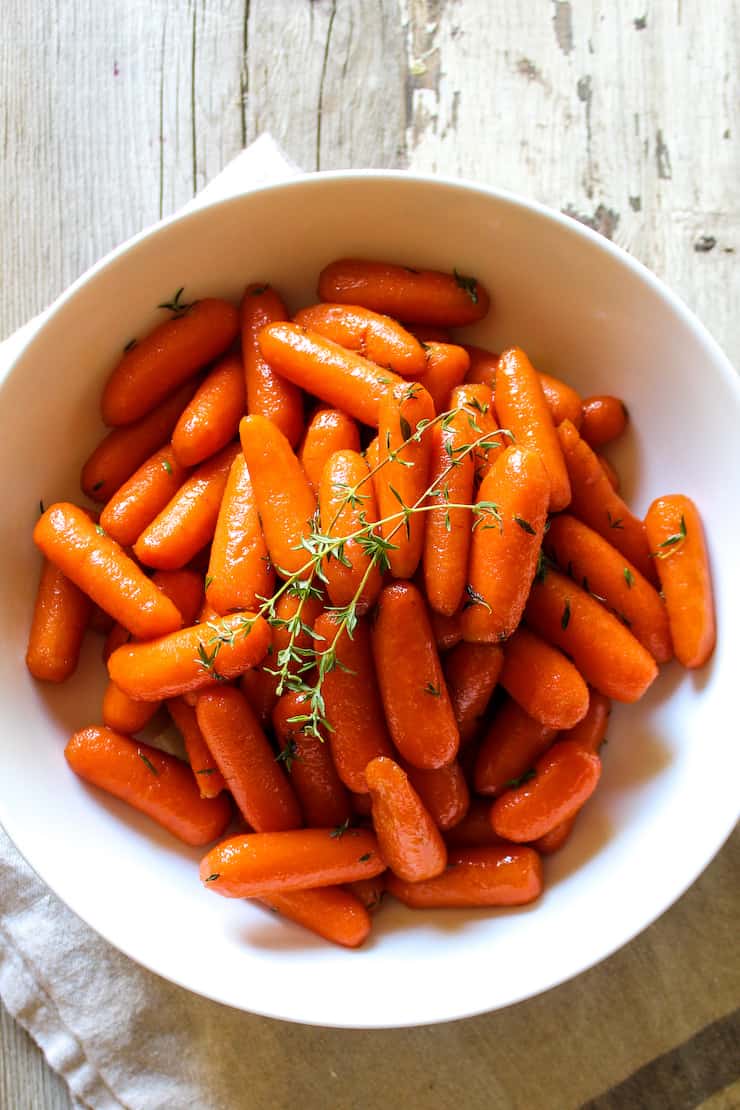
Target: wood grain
x,y
113,114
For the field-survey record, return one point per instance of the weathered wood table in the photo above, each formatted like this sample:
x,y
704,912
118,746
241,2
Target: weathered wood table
x,y
626,115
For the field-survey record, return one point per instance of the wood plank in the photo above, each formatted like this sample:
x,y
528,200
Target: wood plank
x,y
26,1080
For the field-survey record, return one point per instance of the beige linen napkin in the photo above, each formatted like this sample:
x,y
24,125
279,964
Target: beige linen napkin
x,y
652,1027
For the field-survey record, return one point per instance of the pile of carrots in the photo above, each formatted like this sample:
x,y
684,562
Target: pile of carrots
x,y
349,520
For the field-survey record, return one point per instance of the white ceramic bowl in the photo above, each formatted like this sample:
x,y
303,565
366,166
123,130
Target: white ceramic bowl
x,y
583,310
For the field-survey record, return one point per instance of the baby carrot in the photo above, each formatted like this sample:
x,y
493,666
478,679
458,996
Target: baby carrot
x,y
118,635
474,831
599,506
337,376
151,781
483,366
604,418
448,529
563,402
511,745
102,570
260,689
554,840
605,572
408,838
604,651
191,658
589,733
472,671
420,296
184,588
510,520
369,891
499,875
239,570
205,770
100,622
212,418
417,705
331,912
329,431
522,409
477,401
123,714
379,338
60,616
610,472
268,394
427,333
354,711
403,475
545,684
296,617
447,630
346,502
285,501
140,499
444,792
447,365
124,450
165,358
564,779
323,799
261,864
247,762
676,537
188,520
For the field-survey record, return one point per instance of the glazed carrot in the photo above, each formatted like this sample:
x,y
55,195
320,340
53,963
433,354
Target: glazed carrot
x,y
118,635
417,705
293,615
545,684
512,509
330,430
335,375
604,651
239,570
477,400
404,475
191,658
554,840
522,409
563,401
260,689
205,770
332,913
60,616
151,781
589,733
369,891
379,338
483,366
165,358
124,450
408,838
102,570
284,498
133,507
354,575
427,333
184,588
605,572
123,714
260,864
676,536
500,875
322,797
565,777
100,622
361,804
268,394
447,365
448,529
421,296
596,503
604,418
512,744
188,520
354,711
474,831
447,630
472,671
444,792
610,472
244,757
212,418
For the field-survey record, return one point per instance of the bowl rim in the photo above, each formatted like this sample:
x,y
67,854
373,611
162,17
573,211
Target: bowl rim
x,y
314,180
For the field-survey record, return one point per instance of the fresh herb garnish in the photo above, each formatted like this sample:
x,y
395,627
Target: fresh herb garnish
x,y
513,783
618,523
132,342
525,526
433,690
338,832
167,465
565,619
212,878
147,761
98,485
365,858
628,577
672,542
469,284
176,305
475,598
